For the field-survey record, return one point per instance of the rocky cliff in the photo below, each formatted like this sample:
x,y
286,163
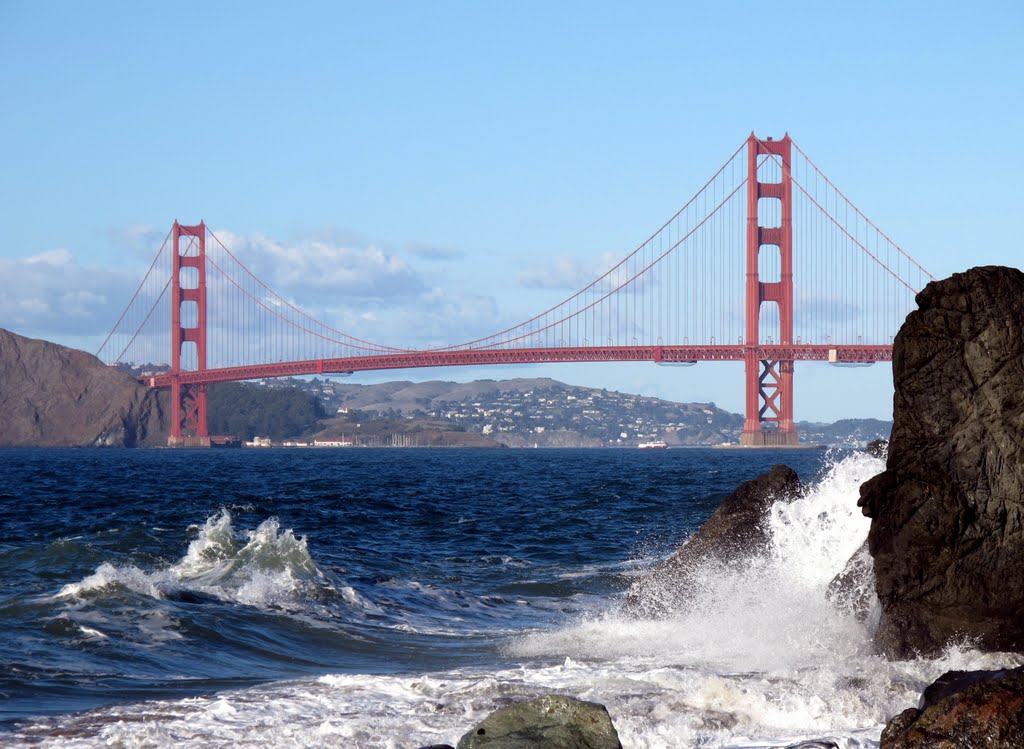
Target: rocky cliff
x,y
55,396
947,530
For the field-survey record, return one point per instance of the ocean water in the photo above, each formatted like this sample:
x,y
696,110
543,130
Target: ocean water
x,y
394,598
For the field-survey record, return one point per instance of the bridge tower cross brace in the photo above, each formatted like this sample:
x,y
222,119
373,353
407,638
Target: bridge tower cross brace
x,y
188,288
769,383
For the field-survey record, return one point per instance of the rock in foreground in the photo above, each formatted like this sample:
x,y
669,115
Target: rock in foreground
x,y
734,532
549,722
53,396
947,530
964,710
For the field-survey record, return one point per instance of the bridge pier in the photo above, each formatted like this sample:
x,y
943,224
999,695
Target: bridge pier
x,y
188,406
188,441
769,383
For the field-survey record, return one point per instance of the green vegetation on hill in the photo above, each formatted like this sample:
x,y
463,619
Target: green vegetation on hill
x,y
245,411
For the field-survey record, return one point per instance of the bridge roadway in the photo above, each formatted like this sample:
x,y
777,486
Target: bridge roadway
x,y
478,357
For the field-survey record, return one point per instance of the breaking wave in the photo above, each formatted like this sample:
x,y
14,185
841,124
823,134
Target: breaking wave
x,y
262,567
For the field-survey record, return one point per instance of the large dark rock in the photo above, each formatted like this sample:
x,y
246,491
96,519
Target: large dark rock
x,y
963,710
548,722
736,531
947,530
55,396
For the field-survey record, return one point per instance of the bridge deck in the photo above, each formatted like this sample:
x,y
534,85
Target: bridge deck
x,y
481,357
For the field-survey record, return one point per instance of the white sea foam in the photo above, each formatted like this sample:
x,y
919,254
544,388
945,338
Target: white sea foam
x,y
759,658
652,707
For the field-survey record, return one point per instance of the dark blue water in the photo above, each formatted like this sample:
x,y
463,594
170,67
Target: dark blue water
x,y
129,575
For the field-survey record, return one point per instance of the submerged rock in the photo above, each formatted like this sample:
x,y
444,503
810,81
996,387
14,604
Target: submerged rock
x,y
548,722
963,710
736,531
947,530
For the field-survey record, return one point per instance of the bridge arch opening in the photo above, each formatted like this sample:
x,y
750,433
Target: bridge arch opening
x,y
769,263
188,277
769,212
768,323
189,314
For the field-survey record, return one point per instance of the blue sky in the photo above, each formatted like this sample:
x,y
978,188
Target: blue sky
x,y
450,151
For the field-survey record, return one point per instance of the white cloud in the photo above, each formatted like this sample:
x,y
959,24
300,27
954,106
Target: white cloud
x,y
140,241
51,294
365,291
440,319
361,290
571,274
82,302
53,258
316,269
564,273
434,252
432,319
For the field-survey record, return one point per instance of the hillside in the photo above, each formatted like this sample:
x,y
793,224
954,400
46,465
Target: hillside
x,y
845,432
538,411
545,412
55,396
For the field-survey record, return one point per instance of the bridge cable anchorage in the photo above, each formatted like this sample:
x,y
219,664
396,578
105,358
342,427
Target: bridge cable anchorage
x,y
768,263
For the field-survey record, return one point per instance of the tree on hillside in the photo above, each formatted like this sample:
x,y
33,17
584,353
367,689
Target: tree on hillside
x,y
246,411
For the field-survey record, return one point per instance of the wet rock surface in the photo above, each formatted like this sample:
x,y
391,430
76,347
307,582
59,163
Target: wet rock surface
x,y
963,710
54,396
735,531
853,589
548,722
947,531
877,449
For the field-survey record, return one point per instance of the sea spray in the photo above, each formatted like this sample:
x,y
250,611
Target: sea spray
x,y
814,536
761,613
261,567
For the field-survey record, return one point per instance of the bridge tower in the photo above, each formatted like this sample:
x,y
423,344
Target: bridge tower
x,y
188,329
769,382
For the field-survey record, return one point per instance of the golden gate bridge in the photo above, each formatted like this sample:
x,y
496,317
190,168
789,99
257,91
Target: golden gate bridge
x,y
767,264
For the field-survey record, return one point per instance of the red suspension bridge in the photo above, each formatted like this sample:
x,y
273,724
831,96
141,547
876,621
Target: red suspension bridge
x,y
768,264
